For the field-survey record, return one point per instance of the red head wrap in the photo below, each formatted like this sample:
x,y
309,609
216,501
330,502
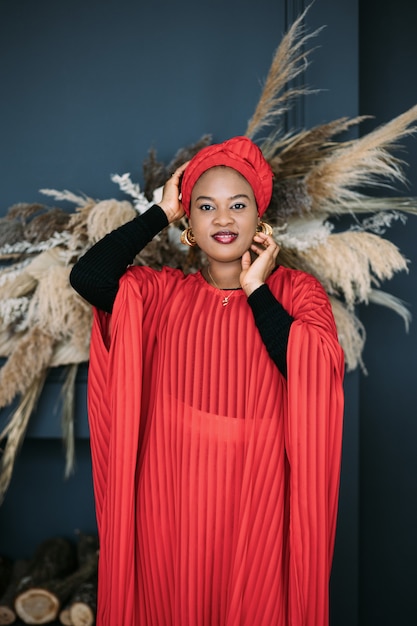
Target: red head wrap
x,y
242,155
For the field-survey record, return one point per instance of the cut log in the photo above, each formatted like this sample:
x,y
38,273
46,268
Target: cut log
x,y
87,547
7,615
37,606
53,559
42,604
7,611
84,604
82,614
65,617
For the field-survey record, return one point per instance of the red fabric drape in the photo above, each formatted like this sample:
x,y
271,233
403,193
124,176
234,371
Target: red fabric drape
x,y
216,480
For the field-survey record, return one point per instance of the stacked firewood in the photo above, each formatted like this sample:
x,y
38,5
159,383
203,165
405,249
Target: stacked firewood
x,y
57,585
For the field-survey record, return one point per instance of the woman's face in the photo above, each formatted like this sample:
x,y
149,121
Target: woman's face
x,y
223,214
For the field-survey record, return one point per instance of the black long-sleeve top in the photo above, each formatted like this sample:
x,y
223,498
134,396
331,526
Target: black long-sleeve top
x,y
96,277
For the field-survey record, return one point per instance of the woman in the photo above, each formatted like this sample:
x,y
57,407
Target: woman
x,y
215,407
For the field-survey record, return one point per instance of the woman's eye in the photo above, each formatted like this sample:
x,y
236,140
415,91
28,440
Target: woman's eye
x,y
206,207
238,205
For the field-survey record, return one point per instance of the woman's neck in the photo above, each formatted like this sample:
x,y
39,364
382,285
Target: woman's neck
x,y
223,275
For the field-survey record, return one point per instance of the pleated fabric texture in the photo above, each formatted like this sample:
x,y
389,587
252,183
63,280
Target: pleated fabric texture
x,y
216,480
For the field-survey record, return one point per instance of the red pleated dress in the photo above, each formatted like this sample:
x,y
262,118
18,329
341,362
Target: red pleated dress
x,y
216,480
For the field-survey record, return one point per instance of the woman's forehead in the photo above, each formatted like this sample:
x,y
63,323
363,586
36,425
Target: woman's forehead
x,y
221,176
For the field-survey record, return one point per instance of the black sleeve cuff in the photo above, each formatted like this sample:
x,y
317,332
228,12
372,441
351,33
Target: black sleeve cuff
x,y
273,323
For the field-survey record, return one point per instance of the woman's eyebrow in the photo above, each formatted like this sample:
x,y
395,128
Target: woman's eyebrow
x,y
238,195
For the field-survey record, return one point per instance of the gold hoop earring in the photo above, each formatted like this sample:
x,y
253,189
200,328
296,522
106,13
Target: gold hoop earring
x,y
265,228
187,237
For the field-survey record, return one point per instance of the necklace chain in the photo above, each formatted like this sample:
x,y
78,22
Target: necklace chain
x,y
226,298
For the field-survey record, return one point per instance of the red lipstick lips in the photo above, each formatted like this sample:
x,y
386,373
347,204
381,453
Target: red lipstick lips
x,y
225,236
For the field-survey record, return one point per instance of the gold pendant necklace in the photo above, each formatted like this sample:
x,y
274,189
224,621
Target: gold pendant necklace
x,y
227,297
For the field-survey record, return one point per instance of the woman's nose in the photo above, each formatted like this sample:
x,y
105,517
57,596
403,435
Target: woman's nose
x,y
223,216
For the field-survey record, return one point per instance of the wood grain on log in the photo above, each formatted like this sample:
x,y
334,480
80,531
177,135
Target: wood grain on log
x,y
82,615
37,606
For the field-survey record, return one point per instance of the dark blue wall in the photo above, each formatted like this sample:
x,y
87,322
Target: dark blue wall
x,y
388,395
87,88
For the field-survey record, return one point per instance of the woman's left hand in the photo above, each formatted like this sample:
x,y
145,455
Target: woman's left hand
x,y
253,275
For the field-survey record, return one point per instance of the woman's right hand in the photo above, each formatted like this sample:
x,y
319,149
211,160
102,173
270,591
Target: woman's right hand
x,y
171,203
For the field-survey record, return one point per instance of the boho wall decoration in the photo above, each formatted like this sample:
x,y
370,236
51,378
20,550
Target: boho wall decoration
x,y
318,178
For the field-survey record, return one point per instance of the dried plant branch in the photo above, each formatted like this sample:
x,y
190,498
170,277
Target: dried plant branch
x,y
364,162
67,418
68,196
351,263
16,428
351,334
318,176
387,300
31,355
290,59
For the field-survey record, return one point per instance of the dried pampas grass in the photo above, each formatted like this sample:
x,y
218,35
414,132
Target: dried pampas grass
x,y
351,334
16,285
11,231
349,264
31,354
387,300
107,215
289,61
156,173
364,162
303,234
15,430
67,418
318,177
